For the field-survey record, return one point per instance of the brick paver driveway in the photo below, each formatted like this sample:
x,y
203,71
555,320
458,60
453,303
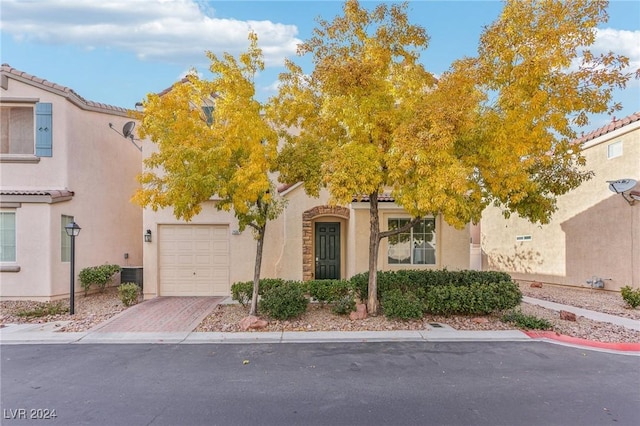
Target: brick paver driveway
x,y
162,314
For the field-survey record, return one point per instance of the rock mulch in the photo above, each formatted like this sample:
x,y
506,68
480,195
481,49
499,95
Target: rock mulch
x,y
96,308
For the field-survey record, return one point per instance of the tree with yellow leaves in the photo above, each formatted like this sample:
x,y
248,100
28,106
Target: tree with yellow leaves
x,y
213,143
492,129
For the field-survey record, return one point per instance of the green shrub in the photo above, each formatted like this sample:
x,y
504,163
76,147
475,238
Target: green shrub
x,y
420,281
285,301
98,275
631,296
44,309
402,305
474,299
344,306
242,291
128,293
527,322
329,291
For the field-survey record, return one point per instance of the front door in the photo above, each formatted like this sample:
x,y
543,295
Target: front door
x,y
327,251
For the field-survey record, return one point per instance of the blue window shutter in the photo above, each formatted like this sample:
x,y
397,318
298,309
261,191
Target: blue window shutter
x,y
44,130
208,112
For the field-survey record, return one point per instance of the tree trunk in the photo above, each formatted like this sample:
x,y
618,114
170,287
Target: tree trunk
x,y
256,270
374,245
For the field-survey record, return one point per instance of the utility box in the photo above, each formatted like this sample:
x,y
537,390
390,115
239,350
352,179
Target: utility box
x,y
131,274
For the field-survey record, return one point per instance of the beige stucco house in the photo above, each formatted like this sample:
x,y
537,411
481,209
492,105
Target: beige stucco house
x,y
309,240
60,162
593,240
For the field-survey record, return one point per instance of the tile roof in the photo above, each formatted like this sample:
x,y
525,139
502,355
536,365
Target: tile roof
x,y
60,90
614,125
54,194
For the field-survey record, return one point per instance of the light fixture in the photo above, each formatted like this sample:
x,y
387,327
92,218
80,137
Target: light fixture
x,y
73,230
147,236
623,187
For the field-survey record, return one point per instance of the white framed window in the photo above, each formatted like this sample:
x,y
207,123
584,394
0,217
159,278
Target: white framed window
x,y
416,246
614,150
26,129
17,124
65,240
7,236
523,238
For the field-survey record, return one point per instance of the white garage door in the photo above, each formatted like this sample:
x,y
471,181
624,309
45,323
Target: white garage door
x,y
194,260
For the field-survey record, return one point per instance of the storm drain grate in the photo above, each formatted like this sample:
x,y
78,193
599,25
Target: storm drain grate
x,y
435,325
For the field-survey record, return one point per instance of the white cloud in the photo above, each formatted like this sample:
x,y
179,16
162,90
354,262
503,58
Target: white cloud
x,y
622,42
175,31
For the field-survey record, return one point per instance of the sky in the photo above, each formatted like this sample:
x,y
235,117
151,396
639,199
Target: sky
x,y
118,51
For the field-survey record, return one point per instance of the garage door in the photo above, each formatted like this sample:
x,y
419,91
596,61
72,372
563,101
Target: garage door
x,y
194,260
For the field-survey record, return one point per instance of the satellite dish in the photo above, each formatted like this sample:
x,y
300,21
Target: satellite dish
x,y
127,129
635,195
621,185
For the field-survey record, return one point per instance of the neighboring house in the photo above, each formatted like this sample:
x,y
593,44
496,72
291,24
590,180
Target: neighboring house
x,y
593,239
61,162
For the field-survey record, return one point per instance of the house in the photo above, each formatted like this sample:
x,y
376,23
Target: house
x,y
593,239
60,163
311,239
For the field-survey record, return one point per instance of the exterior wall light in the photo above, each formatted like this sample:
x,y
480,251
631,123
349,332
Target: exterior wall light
x,y
147,236
73,230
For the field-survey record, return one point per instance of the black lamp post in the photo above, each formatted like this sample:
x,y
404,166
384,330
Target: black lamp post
x,y
72,230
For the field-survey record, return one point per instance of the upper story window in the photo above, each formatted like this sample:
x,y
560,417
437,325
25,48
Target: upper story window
x,y
614,149
416,246
26,130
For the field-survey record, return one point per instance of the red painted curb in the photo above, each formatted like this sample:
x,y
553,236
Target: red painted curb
x,y
630,347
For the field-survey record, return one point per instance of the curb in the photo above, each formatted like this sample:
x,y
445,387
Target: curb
x,y
577,341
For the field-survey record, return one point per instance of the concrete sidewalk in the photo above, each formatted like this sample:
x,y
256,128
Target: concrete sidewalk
x,y
593,315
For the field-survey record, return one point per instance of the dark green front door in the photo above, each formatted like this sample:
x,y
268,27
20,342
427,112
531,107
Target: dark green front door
x,y
327,251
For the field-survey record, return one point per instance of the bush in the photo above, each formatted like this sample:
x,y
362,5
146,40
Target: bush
x,y
242,291
631,296
285,301
128,293
329,291
527,322
98,275
475,299
43,310
343,306
420,281
402,305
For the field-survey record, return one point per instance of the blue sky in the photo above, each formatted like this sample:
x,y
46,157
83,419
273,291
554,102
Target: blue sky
x,y
118,51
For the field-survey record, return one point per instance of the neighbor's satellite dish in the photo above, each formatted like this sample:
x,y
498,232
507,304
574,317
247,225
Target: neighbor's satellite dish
x,y
635,195
621,185
127,130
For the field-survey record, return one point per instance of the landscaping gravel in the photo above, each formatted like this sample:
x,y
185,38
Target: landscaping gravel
x,y
96,308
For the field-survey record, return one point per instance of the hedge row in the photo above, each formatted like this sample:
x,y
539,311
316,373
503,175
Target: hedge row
x,y
404,294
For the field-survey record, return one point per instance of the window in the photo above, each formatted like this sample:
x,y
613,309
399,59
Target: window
x,y
7,236
614,150
24,133
65,240
17,129
416,246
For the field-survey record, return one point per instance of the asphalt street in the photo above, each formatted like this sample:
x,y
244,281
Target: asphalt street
x,y
395,383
